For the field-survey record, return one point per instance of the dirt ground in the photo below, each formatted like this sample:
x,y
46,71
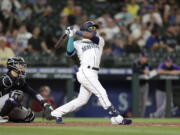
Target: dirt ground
x,y
86,124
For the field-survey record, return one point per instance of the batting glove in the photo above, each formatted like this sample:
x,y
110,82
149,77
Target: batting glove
x,y
70,31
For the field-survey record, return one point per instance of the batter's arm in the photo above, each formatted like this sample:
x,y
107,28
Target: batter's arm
x,y
88,35
70,47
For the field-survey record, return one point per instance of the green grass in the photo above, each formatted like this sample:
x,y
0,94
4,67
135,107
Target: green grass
x,y
101,130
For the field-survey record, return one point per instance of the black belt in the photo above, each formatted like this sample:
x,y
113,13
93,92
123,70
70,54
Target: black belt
x,y
94,68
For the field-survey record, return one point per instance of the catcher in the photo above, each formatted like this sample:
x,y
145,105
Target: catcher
x,y
12,87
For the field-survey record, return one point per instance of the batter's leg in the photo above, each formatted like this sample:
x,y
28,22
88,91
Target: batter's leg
x,y
71,106
92,83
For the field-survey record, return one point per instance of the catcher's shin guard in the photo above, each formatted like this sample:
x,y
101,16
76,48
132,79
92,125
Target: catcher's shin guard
x,y
15,99
21,114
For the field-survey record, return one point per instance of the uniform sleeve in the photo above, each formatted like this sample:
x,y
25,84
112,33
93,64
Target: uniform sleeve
x,y
101,42
5,82
176,67
33,93
160,66
95,39
136,68
70,47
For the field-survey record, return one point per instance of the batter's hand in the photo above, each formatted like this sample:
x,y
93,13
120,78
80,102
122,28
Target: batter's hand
x,y
70,31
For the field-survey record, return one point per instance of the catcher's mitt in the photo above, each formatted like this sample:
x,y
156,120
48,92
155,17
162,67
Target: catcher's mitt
x,y
47,111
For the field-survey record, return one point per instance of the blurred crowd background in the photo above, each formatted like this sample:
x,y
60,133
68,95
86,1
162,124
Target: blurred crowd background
x,y
31,28
139,34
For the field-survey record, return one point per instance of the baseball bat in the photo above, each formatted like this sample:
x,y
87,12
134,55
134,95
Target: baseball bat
x,y
60,41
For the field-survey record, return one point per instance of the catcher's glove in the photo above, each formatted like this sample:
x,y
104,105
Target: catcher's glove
x,y
47,111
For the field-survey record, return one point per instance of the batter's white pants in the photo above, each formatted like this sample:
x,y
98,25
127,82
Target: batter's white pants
x,y
3,101
90,84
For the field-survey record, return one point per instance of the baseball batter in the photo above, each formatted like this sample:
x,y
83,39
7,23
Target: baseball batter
x,y
89,50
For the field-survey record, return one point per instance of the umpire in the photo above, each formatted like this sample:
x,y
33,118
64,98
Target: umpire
x,y
12,87
141,66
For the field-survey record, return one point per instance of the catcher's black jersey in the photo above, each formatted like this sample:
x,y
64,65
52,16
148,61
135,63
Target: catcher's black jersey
x,y
9,83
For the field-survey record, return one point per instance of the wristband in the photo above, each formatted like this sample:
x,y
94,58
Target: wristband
x,y
79,33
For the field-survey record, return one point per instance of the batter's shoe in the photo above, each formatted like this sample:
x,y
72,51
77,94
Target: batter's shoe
x,y
126,122
3,119
59,120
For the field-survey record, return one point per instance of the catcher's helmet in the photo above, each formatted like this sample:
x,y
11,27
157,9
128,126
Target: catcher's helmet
x,y
87,26
11,64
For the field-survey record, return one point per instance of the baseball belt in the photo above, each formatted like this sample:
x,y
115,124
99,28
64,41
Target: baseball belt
x,y
93,68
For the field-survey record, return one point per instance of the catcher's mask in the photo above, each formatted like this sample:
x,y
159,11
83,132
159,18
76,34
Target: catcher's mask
x,y
17,64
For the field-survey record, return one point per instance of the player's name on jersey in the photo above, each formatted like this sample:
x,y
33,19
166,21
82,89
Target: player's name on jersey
x,y
89,46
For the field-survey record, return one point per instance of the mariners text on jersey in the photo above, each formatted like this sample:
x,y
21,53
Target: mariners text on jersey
x,y
89,45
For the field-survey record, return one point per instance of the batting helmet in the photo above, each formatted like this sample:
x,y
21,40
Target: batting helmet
x,y
89,26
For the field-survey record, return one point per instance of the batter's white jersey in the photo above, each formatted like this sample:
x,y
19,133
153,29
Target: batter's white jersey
x,y
88,52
